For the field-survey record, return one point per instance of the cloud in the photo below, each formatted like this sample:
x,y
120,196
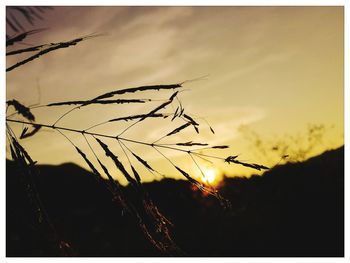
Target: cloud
x,y
249,53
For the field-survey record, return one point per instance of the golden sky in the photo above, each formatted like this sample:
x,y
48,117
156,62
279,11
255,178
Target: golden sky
x,y
273,69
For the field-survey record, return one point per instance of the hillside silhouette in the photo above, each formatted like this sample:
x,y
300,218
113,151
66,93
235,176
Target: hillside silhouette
x,y
295,209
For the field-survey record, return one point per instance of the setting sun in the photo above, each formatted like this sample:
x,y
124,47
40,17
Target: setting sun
x,y
211,176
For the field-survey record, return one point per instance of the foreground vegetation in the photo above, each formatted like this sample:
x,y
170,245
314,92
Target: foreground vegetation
x,y
293,210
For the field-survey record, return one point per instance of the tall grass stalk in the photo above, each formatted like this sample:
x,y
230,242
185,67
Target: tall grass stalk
x,y
155,226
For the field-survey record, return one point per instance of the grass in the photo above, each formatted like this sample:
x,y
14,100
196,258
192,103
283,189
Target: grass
x,y
145,213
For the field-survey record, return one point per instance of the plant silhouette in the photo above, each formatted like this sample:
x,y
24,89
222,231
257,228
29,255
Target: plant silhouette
x,y
154,225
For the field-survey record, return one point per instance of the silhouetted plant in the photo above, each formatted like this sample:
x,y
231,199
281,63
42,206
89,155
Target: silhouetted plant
x,y
291,147
147,216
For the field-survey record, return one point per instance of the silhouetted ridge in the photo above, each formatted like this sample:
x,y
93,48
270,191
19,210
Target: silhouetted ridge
x,y
295,209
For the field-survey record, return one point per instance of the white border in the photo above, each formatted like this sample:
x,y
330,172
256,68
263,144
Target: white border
x,y
179,3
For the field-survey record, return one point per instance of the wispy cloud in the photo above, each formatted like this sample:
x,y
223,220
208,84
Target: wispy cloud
x,y
260,60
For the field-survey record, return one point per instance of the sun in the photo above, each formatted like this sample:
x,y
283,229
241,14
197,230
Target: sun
x,y
210,176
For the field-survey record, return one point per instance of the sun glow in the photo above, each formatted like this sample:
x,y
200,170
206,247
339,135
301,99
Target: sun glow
x,y
211,176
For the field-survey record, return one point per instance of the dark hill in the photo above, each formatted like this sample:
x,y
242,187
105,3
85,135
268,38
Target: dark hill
x,y
292,210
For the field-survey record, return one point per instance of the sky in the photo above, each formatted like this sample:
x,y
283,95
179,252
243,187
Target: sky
x,y
273,70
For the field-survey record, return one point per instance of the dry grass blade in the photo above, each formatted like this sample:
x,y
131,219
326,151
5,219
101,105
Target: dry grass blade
x,y
26,134
142,88
26,165
163,105
92,167
113,184
105,170
13,154
19,156
259,167
175,114
87,102
118,164
115,189
188,177
179,129
231,159
143,162
28,170
173,95
220,147
160,239
24,50
48,50
139,116
23,132
181,111
211,129
21,36
156,230
193,122
21,109
136,174
22,152
191,144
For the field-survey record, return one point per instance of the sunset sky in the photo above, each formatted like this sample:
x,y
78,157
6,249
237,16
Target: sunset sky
x,y
272,69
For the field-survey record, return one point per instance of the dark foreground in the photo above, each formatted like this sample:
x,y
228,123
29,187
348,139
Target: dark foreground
x,y
293,210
